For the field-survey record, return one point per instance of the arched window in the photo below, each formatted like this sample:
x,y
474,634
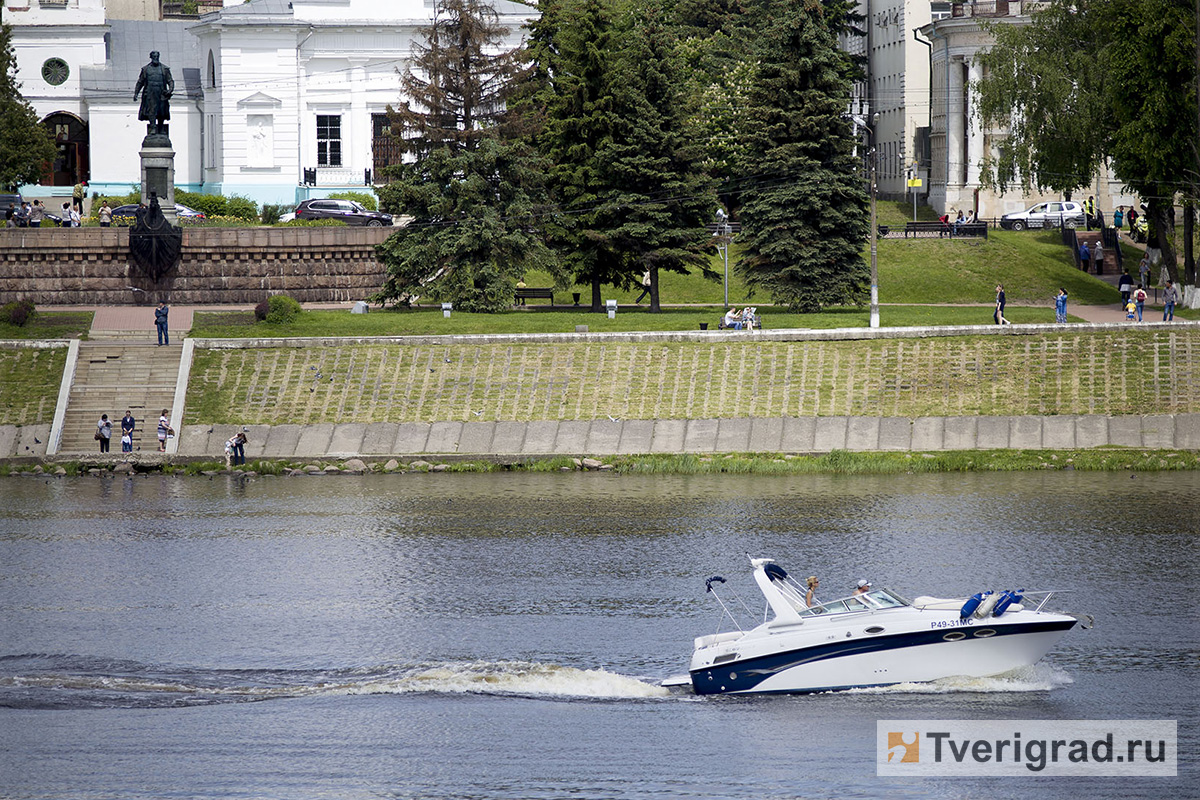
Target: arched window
x,y
212,71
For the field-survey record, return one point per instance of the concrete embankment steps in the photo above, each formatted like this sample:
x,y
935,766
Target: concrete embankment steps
x,y
112,377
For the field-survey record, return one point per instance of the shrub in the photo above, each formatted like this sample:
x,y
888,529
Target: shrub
x,y
260,311
18,312
282,309
362,198
241,207
213,205
271,212
314,223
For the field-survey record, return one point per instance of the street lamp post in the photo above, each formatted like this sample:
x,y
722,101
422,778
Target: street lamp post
x,y
723,248
869,126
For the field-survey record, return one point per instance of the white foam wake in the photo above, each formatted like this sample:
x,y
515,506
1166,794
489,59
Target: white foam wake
x,y
1035,678
515,678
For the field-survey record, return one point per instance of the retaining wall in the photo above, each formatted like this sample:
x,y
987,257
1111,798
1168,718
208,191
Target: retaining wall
x,y
91,266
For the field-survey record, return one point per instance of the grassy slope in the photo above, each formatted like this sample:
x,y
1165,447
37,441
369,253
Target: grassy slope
x,y
29,380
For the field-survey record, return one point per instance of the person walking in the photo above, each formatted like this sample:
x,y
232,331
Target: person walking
x,y
105,215
1125,284
1089,212
1131,217
1060,307
1098,254
1139,299
160,322
1144,271
164,430
128,423
77,196
1000,302
1118,219
1170,298
104,432
1085,257
645,287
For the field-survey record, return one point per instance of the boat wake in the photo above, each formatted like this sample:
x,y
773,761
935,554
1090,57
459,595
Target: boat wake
x,y
72,682
1035,678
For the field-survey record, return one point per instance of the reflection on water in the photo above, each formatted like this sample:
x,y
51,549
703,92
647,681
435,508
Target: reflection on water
x,y
418,625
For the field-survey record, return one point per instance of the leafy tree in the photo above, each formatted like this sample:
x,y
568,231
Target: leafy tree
x,y
467,189
804,213
25,144
1123,93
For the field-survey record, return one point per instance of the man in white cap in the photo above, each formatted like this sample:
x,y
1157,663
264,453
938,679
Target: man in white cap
x,y
863,588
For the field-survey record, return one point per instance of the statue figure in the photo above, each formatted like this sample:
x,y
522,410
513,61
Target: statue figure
x,y
156,85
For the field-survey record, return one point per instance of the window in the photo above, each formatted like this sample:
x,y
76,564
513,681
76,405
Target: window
x,y
329,140
55,71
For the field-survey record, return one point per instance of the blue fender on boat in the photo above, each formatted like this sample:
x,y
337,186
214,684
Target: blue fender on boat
x,y
1007,599
972,603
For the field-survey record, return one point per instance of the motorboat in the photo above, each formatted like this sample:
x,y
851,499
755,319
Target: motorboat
x,y
873,638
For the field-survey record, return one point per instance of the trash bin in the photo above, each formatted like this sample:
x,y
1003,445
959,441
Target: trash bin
x,y
703,326
446,309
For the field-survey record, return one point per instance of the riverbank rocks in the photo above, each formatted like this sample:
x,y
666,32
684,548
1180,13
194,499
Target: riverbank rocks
x,y
124,468
391,466
420,465
591,463
312,469
355,466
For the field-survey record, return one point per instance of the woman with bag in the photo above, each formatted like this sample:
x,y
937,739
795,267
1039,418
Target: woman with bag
x,y
104,432
164,430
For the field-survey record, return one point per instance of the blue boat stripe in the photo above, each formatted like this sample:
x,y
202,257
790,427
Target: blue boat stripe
x,y
753,671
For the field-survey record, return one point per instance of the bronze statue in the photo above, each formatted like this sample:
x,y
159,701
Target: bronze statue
x,y
156,85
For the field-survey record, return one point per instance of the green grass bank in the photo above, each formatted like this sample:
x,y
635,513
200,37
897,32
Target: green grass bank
x,y
1112,372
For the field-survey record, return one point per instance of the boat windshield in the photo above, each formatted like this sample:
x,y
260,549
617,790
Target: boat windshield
x,y
878,598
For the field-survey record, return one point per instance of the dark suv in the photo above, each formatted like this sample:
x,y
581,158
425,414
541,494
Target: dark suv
x,y
15,200
347,211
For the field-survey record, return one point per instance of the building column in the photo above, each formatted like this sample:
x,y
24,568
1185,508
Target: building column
x,y
356,133
955,123
975,150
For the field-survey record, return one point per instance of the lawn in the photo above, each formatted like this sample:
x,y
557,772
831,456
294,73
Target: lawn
x,y
430,322
50,325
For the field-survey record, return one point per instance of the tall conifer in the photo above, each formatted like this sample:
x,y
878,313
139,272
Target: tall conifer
x,y
804,207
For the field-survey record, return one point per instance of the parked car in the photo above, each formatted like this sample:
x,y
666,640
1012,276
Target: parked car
x,y
347,211
15,200
126,214
1045,215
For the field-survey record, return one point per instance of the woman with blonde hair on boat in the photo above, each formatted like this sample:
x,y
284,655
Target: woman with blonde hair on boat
x,y
810,598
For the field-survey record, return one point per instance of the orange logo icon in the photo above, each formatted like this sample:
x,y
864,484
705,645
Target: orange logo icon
x,y
904,747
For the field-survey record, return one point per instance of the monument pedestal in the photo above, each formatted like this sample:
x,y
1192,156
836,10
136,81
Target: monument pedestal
x,y
158,173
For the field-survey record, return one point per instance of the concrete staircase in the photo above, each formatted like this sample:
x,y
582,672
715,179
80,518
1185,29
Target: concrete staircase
x,y
112,377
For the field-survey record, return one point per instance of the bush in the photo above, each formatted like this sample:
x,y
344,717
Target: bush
x,y
260,311
362,198
315,223
281,309
213,205
18,312
241,207
271,213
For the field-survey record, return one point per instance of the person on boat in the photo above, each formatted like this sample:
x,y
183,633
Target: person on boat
x,y
810,598
863,588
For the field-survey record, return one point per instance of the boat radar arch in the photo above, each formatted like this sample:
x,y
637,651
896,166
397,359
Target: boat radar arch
x,y
770,579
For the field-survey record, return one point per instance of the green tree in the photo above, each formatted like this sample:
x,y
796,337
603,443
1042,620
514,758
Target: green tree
x,y
1122,94
25,144
663,199
468,190
578,65
804,208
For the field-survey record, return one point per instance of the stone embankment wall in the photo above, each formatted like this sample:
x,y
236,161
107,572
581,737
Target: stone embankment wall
x,y
91,266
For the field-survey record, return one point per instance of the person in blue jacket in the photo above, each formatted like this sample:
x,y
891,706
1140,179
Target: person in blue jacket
x,y
1060,306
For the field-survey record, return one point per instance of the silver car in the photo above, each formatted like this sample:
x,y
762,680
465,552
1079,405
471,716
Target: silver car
x,y
1045,215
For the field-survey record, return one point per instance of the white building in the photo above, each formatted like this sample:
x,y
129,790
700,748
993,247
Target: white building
x,y
275,100
958,145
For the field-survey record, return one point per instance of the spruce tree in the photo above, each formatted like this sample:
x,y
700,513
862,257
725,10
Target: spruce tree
x,y
804,204
663,198
25,144
466,186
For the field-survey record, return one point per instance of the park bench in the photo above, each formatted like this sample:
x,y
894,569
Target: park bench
x,y
966,229
528,293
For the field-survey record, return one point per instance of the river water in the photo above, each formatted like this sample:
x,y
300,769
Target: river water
x,y
503,636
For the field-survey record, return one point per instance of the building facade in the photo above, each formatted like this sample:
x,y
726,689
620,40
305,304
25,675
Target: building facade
x,y
275,100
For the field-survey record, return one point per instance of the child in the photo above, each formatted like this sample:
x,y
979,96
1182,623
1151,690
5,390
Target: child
x,y
1060,306
1130,311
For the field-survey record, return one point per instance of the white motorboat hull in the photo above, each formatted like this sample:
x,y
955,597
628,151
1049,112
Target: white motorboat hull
x,y
765,663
